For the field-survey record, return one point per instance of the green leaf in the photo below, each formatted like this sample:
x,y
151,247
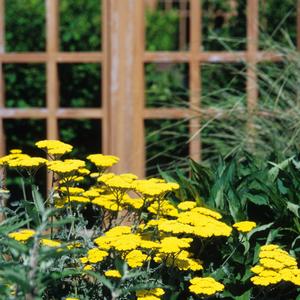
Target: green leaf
x,y
259,229
245,296
294,208
257,199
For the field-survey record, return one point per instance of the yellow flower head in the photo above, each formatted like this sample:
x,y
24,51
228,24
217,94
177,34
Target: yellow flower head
x,y
103,161
205,286
50,243
275,265
244,226
113,274
153,294
65,167
27,162
22,235
186,205
54,147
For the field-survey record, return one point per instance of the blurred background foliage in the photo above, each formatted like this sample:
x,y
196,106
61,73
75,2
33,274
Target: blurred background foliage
x,y
223,85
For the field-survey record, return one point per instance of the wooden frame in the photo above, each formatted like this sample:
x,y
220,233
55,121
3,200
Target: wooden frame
x,y
123,57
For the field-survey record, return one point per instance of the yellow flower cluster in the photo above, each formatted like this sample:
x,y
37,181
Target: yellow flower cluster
x,y
275,265
153,294
94,256
54,147
154,187
113,274
182,260
22,235
117,182
5,160
103,161
206,286
65,167
50,243
244,226
186,205
26,162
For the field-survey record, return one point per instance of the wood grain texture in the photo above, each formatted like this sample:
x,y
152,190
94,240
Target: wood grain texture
x,y
126,92
194,78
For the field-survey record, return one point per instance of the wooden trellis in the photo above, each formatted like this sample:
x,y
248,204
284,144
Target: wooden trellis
x,y
123,57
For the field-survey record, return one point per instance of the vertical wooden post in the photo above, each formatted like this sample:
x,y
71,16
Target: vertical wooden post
x,y
182,24
106,134
298,25
52,73
194,70
2,103
151,4
125,48
252,48
2,87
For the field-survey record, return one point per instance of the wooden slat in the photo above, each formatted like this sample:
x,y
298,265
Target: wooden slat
x,y
252,46
2,103
183,9
194,79
151,4
106,146
298,24
2,86
79,57
52,72
166,113
52,29
126,46
62,57
43,113
209,56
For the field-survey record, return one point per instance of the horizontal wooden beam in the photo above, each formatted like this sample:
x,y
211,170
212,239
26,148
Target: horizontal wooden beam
x,y
60,57
43,113
157,57
166,113
209,57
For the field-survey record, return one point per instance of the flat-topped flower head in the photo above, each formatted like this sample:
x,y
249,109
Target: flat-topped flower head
x,y
174,244
50,243
27,162
275,265
113,274
186,205
154,187
244,226
122,181
15,151
70,190
65,167
153,294
5,160
135,258
22,235
205,286
103,161
54,147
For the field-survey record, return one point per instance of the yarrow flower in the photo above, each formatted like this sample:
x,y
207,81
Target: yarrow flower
x,y
103,161
54,147
113,274
205,286
275,265
153,294
50,243
22,235
65,167
244,226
